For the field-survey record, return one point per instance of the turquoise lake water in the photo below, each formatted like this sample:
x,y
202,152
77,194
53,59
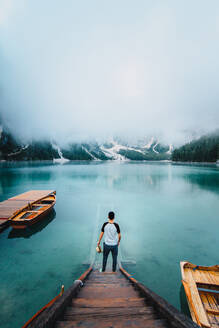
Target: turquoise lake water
x,y
167,213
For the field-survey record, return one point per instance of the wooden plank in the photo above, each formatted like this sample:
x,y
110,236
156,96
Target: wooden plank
x,y
198,276
215,277
211,278
8,208
104,293
106,278
111,286
212,319
215,299
106,273
206,276
105,281
204,300
32,195
212,311
11,203
192,308
107,311
130,322
106,285
109,302
197,303
5,215
210,302
123,286
82,313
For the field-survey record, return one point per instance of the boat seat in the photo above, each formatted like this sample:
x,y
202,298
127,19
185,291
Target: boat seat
x,y
32,211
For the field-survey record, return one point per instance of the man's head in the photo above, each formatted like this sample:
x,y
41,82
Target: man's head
x,y
111,215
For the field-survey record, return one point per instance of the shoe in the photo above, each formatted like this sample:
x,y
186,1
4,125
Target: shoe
x,y
100,270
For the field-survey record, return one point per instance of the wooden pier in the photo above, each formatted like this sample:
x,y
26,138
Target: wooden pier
x,y
109,300
9,208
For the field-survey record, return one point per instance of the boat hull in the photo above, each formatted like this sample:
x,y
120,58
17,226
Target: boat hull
x,y
34,217
24,225
201,285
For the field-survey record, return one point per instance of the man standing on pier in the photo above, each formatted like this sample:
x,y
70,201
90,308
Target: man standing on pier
x,y
112,239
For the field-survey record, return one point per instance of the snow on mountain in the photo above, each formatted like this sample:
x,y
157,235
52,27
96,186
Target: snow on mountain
x,y
170,149
19,151
154,150
118,150
149,144
60,160
113,152
113,149
89,153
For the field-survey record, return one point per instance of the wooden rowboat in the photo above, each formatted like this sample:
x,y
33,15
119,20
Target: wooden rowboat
x,y
201,284
33,212
109,299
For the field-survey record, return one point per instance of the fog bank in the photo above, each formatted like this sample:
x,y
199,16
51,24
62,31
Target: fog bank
x,y
75,71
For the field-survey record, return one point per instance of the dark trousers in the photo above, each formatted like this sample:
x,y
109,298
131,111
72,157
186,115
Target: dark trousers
x,y
114,251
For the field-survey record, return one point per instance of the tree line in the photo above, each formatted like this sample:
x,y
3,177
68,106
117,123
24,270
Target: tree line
x,y
205,149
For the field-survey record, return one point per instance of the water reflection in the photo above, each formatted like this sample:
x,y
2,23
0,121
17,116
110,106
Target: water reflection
x,y
163,210
118,177
207,180
29,231
183,302
19,178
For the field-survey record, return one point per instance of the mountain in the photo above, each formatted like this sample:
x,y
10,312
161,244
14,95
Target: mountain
x,y
12,149
204,149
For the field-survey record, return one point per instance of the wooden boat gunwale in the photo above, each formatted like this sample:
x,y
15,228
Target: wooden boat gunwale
x,y
199,310
202,267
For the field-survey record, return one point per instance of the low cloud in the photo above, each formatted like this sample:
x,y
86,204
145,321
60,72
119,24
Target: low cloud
x,y
73,71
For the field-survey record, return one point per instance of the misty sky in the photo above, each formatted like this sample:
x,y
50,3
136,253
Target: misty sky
x,y
93,69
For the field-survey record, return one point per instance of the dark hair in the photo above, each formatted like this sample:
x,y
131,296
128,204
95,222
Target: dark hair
x,y
111,215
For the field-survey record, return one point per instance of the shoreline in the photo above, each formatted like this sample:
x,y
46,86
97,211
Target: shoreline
x,y
111,161
196,163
